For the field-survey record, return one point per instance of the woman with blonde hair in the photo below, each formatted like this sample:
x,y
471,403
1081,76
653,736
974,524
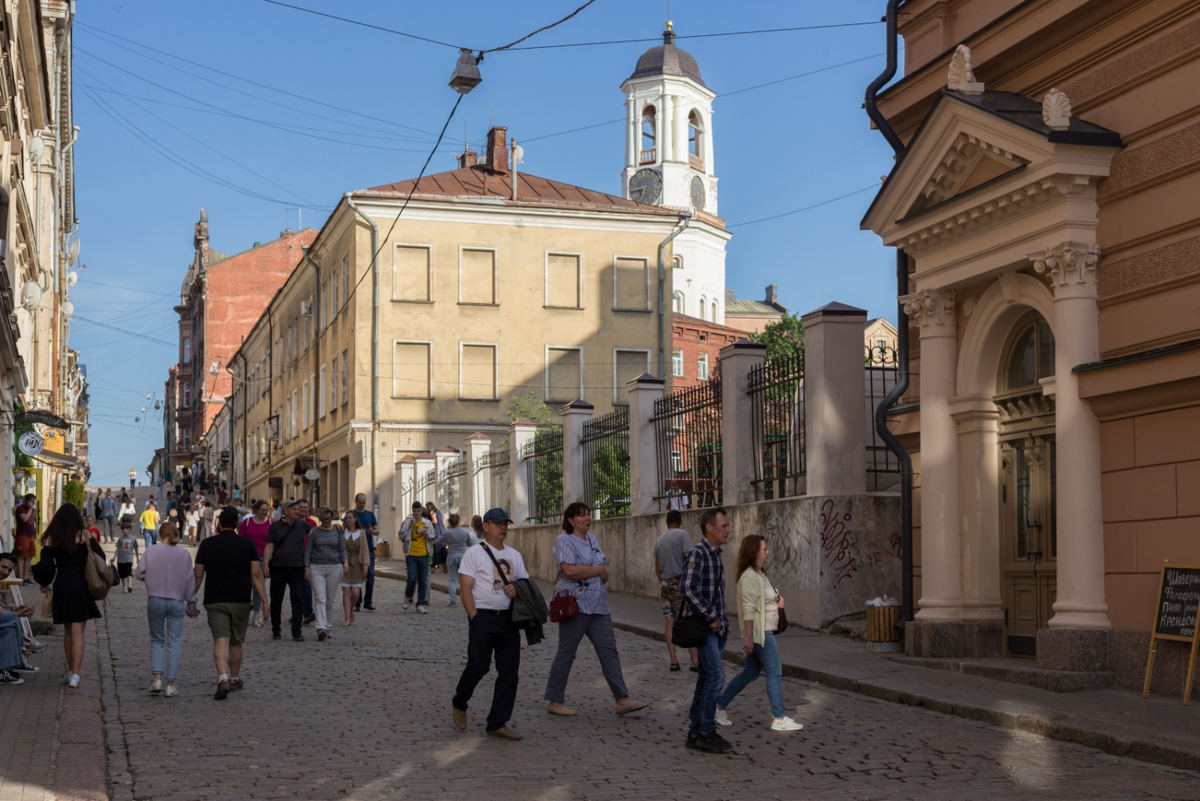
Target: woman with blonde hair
x,y
171,586
759,604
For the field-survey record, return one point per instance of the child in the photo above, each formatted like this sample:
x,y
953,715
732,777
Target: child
x,y
92,528
127,554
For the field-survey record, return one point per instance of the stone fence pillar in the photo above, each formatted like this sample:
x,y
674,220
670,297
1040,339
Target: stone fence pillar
x,y
834,424
737,422
475,493
424,463
520,501
576,415
644,481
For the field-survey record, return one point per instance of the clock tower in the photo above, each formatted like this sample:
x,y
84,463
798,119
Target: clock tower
x,y
669,162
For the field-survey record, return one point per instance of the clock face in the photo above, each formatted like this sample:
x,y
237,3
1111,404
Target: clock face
x,y
645,185
698,193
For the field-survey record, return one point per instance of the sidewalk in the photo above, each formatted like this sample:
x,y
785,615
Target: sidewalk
x,y
1118,722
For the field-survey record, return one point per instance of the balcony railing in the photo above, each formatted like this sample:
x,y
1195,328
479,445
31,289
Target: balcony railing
x,y
646,156
696,162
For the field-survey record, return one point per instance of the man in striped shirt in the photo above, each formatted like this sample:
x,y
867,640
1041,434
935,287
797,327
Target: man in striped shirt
x,y
703,587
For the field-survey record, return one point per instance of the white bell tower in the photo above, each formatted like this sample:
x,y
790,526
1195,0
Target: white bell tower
x,y
669,162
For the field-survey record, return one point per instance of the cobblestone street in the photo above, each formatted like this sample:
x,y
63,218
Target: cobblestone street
x,y
367,715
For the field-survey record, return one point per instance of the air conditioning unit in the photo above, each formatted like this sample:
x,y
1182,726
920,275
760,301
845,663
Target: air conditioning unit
x,y
306,307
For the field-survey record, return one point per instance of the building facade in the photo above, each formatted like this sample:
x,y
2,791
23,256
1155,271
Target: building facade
x,y
752,316
696,346
221,298
1043,200
489,288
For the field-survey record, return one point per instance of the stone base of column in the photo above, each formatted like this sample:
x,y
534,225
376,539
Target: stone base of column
x,y
965,640
1073,649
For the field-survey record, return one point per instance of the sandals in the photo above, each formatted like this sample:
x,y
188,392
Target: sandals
x,y
674,667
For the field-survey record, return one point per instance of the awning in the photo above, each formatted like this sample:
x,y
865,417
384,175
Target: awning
x,y
57,459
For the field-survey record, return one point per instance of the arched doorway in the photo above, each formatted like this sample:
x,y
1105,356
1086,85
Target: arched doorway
x,y
1028,457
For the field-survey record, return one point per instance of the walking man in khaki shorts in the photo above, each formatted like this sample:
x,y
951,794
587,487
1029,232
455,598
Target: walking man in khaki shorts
x,y
230,563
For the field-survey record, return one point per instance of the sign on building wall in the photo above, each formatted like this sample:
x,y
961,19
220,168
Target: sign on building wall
x,y
1175,618
31,443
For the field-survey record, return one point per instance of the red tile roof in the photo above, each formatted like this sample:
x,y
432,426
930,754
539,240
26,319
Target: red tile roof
x,y
479,182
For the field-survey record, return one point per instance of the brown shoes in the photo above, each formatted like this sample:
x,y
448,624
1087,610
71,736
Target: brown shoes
x,y
630,706
505,732
561,710
460,718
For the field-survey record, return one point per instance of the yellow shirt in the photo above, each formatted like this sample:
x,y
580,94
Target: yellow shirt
x,y
420,542
150,519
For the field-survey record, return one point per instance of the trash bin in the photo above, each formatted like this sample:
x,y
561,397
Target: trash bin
x,y
882,634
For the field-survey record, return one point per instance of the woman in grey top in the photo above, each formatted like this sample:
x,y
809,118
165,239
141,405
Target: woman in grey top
x,y
456,539
324,565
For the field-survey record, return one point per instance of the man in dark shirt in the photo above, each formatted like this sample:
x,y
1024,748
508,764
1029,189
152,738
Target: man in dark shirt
x,y
230,564
284,560
26,534
370,526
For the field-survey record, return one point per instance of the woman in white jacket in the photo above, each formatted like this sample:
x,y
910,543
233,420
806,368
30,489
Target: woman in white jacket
x,y
758,615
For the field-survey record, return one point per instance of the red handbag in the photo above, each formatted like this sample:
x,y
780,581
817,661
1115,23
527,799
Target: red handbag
x,y
563,606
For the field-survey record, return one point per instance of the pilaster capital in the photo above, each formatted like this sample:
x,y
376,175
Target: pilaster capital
x,y
1070,269
932,311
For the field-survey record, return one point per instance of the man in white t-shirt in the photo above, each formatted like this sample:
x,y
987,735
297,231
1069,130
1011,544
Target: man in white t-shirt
x,y
487,598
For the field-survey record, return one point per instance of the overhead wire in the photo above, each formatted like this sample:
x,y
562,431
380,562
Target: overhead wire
x,y
806,208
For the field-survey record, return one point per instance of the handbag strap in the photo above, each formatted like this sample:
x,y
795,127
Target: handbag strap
x,y
494,562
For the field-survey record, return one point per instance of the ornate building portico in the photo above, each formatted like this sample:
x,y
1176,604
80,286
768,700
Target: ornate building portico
x,y
994,201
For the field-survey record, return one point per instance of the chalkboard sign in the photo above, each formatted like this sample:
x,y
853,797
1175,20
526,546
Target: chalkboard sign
x,y
1178,598
1175,618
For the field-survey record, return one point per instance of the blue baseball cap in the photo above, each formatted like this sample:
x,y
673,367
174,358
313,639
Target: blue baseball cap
x,y
496,515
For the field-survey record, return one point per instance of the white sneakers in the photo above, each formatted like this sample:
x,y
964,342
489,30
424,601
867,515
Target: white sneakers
x,y
785,724
722,718
171,691
156,686
73,682
422,610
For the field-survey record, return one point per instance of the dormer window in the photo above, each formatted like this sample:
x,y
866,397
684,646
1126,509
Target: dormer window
x,y
649,135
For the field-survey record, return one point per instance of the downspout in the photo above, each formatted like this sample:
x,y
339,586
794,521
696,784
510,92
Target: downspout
x,y
242,389
374,344
271,397
902,376
316,395
685,218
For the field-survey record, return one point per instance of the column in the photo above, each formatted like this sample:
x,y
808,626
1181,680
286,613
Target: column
x,y
737,421
631,132
1071,271
442,459
666,129
835,422
576,415
424,463
941,554
644,481
520,498
475,492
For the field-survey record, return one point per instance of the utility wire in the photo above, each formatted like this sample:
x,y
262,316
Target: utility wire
x,y
511,45
702,35
126,331
806,208
362,24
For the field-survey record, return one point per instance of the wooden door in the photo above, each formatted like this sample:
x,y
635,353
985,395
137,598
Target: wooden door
x,y
1029,542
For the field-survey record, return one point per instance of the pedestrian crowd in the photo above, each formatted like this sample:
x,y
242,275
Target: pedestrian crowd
x,y
315,561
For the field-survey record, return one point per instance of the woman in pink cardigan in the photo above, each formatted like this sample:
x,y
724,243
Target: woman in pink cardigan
x,y
171,584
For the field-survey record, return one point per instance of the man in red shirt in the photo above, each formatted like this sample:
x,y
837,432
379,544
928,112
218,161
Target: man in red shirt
x,y
26,535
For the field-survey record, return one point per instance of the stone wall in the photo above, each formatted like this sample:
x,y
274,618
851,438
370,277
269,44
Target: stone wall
x,y
829,554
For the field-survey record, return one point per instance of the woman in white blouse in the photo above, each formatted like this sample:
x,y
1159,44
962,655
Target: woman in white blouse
x,y
758,613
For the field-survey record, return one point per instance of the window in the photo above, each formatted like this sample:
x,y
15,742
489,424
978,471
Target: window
x,y
695,140
1032,356
187,350
702,367
187,396
345,380
714,311
187,436
324,304
477,276
321,387
649,131
677,302
563,273
345,281
412,279
336,287
677,363
677,262
627,366
305,406
676,462
292,408
564,373
477,372
703,307
333,385
410,370
631,283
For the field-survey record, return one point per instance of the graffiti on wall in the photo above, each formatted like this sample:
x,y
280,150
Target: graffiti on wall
x,y
845,551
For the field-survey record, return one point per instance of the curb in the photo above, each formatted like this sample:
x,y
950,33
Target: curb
x,y
1065,731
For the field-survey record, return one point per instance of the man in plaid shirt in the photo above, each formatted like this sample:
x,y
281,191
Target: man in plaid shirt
x,y
703,587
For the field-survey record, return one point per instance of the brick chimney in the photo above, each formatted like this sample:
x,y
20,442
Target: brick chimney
x,y
467,158
773,294
497,150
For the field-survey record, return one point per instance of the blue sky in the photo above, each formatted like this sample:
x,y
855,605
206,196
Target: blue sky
x,y
280,112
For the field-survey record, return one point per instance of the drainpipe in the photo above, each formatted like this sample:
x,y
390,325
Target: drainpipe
x,y
243,391
316,395
685,218
902,375
374,342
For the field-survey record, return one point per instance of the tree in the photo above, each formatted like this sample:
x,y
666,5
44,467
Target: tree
x,y
74,493
530,407
783,338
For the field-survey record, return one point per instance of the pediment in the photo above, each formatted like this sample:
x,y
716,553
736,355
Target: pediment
x,y
969,162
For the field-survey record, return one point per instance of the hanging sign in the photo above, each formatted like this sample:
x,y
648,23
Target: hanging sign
x,y
31,443
1175,618
45,418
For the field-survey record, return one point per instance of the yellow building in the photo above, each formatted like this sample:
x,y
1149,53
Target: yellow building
x,y
400,334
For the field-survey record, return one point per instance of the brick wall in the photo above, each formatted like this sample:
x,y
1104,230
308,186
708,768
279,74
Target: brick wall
x,y
694,337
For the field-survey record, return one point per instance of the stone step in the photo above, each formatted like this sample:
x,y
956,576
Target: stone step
x,y
1018,671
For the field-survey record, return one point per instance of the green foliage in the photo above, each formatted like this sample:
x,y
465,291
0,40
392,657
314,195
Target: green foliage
x,y
18,429
530,407
783,338
74,493
610,470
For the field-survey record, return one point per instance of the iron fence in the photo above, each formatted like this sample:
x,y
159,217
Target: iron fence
x,y
424,485
687,433
881,364
776,390
606,464
543,459
452,485
495,480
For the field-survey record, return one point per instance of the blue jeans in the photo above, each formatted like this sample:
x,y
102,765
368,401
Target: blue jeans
x,y
765,659
11,640
368,597
166,626
710,678
418,575
150,535
256,600
453,563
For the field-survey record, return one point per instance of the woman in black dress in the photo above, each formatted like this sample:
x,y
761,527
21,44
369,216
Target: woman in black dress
x,y
64,559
